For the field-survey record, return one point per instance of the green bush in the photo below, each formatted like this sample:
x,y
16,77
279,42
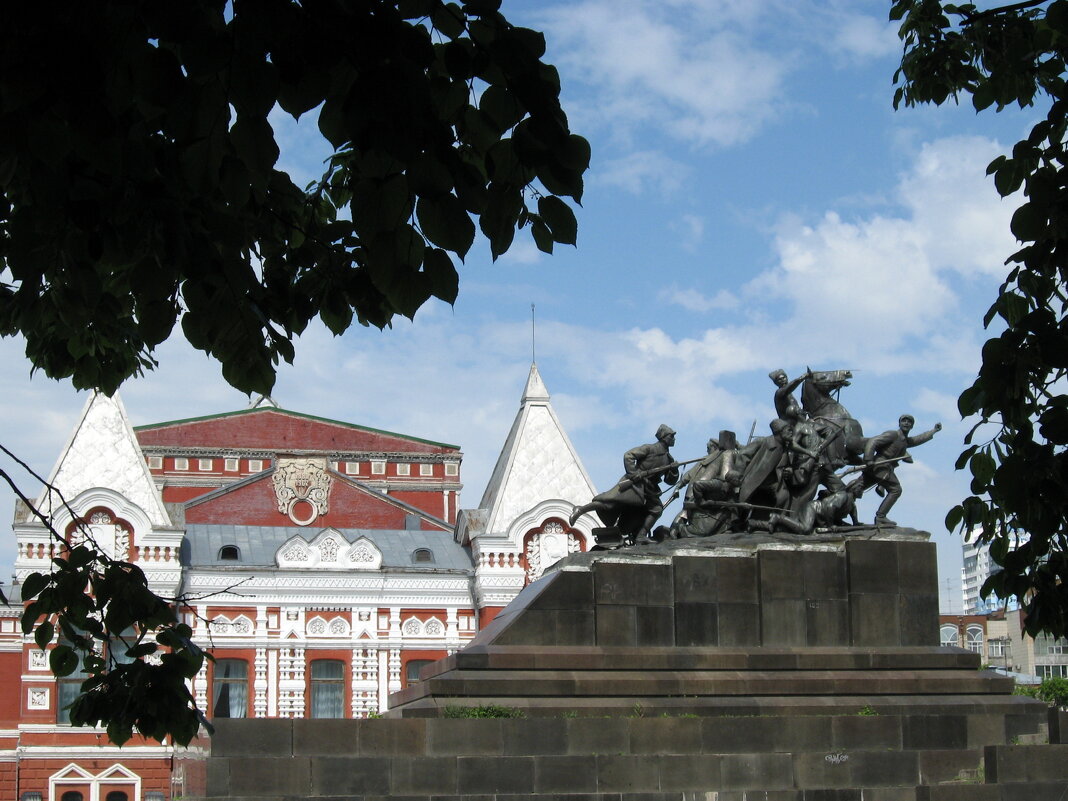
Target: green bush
x,y
1053,691
483,711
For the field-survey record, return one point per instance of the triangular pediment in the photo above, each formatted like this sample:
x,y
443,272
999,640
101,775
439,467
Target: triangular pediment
x,y
103,453
537,462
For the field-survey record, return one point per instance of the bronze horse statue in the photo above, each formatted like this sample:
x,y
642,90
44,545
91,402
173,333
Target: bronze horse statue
x,y
842,433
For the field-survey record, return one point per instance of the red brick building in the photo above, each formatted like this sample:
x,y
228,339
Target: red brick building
x,y
322,563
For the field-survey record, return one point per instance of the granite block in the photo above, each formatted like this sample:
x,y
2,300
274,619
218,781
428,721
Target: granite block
x,y
698,772
533,736
326,737
781,575
873,619
824,769
917,568
575,627
598,736
564,774
616,625
422,775
654,626
784,622
696,624
449,736
270,776
938,766
919,619
253,737
872,566
334,776
482,774
934,731
393,737
217,777
825,575
738,624
625,774
566,590
827,622
757,771
863,731
639,584
885,768
666,736
737,579
695,580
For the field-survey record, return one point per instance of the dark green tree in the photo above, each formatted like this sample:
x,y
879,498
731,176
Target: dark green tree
x,y
1001,56
139,187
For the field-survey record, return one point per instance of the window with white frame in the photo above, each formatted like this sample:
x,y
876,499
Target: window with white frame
x,y
1054,671
404,469
452,469
1000,648
181,463
155,462
205,464
352,468
426,469
231,465
378,468
947,636
327,688
973,639
229,692
255,465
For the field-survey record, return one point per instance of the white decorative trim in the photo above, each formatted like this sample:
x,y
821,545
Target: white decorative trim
x,y
38,659
37,698
302,484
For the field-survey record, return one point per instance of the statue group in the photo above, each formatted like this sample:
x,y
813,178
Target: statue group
x,y
793,480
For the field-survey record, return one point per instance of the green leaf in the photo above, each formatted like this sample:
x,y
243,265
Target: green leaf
x,y
448,20
62,660
543,237
32,585
560,219
1029,223
445,222
442,275
44,634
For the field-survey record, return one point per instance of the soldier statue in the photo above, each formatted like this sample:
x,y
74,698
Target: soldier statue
x,y
881,455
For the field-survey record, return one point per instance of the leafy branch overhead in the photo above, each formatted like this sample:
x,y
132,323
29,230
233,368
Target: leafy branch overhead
x,y
141,180
1018,450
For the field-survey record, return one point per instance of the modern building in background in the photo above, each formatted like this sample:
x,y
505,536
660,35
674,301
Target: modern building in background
x,y
323,563
976,569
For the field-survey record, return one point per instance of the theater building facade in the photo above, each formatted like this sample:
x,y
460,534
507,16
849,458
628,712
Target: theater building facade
x,y
322,563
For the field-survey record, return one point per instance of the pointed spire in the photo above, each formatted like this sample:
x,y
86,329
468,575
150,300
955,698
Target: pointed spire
x,y
103,452
535,391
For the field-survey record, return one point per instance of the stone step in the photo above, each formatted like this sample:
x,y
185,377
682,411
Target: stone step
x,y
679,658
833,770
587,736
572,684
1009,764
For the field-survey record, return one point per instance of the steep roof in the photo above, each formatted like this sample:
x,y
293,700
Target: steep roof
x,y
270,428
538,462
102,452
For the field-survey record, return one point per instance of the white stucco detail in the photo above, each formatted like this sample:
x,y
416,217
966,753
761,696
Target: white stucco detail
x,y
537,463
103,452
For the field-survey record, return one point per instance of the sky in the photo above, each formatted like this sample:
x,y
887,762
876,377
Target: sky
x,y
753,202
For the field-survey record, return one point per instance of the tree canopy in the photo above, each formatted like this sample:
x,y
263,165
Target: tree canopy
x,y
1016,452
140,186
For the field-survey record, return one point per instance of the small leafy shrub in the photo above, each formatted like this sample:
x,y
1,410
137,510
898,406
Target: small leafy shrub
x,y
867,711
1053,691
483,711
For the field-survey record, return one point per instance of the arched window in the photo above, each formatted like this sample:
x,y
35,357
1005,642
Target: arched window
x,y
72,795
948,636
974,639
229,553
422,556
229,698
117,795
327,688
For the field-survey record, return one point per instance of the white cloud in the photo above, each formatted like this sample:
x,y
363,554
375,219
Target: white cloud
x,y
680,68
862,37
695,301
642,171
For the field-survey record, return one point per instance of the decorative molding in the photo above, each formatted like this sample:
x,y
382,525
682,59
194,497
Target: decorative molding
x,y
37,698
302,489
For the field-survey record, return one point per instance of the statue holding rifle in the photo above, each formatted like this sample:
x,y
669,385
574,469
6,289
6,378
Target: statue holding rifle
x,y
633,504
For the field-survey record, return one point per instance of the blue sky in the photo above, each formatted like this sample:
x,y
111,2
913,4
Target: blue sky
x,y
753,202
